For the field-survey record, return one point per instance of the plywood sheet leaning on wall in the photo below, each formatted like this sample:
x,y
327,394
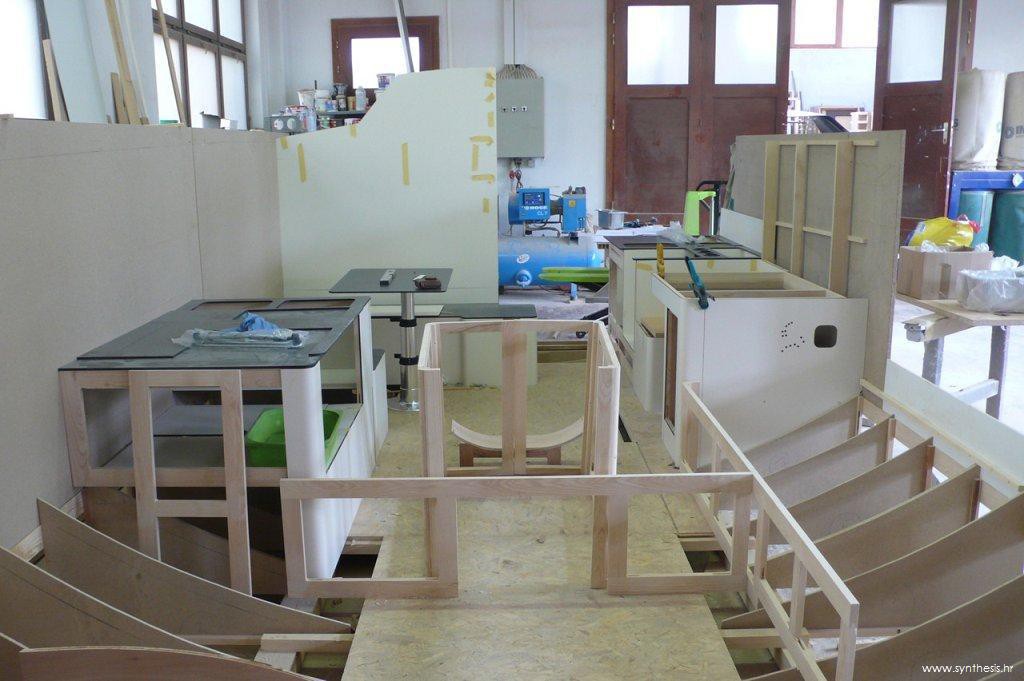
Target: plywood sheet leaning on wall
x,y
807,189
411,185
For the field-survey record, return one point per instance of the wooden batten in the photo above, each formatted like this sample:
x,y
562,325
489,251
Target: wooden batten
x,y
82,664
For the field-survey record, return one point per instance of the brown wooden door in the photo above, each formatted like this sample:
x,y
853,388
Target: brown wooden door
x,y
671,124
914,84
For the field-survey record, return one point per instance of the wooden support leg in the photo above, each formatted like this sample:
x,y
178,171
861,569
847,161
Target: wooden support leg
x,y
932,369
997,367
467,454
235,492
144,463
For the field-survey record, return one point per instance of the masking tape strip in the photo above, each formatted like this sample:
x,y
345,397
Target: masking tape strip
x,y
405,163
476,158
352,129
284,142
753,265
490,119
489,97
487,205
483,177
482,139
302,163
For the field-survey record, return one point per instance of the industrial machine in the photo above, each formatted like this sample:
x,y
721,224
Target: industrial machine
x,y
552,234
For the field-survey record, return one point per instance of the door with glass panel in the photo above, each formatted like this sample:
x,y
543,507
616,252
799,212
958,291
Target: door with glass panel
x,y
685,78
915,78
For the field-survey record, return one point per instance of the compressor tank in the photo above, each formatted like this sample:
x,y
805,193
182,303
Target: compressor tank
x,y
521,258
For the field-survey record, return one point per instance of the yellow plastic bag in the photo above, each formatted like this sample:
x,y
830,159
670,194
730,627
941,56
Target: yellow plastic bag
x,y
944,232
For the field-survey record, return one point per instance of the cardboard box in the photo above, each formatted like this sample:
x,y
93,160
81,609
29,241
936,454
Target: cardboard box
x,y
931,276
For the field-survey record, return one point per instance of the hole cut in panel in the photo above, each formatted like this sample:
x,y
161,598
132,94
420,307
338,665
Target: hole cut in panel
x,y
746,44
825,336
917,40
658,45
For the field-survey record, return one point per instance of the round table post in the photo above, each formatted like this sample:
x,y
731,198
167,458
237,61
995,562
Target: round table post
x,y
406,400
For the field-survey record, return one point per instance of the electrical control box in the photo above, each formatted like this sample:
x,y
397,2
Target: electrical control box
x,y
529,205
573,206
520,117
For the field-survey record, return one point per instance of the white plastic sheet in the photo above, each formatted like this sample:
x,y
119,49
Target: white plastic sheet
x,y
991,290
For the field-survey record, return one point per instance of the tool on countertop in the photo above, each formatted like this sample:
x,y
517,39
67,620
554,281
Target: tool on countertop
x,y
697,286
426,282
387,277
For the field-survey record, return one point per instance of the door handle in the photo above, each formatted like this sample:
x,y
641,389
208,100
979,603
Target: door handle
x,y
944,129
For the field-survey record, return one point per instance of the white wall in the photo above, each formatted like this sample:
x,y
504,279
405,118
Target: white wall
x,y
564,40
998,30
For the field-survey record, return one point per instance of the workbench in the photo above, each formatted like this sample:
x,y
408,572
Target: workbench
x,y
948,317
141,411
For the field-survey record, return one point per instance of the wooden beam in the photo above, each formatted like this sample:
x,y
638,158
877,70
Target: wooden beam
x,y
182,117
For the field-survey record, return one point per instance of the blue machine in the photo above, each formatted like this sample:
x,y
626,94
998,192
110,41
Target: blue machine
x,y
573,207
521,258
529,205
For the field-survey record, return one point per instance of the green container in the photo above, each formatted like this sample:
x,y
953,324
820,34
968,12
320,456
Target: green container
x,y
575,275
1007,235
977,205
264,443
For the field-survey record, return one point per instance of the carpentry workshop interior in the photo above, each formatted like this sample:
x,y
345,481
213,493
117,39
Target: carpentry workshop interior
x,y
512,339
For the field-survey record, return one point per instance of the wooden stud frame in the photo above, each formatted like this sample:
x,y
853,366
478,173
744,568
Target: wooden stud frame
x,y
842,206
808,562
598,427
234,506
442,534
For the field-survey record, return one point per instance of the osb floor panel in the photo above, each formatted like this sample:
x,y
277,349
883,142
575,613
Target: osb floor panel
x,y
525,607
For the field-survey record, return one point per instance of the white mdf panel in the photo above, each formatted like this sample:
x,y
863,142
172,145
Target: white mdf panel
x,y
411,185
761,373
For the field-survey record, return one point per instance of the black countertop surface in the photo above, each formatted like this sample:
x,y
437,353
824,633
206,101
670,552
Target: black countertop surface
x,y
149,346
368,280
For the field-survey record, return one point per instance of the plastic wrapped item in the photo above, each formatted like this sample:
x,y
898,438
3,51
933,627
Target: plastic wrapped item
x,y
253,332
944,232
991,290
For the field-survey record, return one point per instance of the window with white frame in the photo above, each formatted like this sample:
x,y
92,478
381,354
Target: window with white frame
x,y
835,23
207,39
22,81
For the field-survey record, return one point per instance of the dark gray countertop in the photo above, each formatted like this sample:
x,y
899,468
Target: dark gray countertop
x,y
721,248
149,346
368,280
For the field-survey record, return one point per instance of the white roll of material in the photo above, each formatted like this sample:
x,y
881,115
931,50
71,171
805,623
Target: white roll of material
x,y
1011,149
978,126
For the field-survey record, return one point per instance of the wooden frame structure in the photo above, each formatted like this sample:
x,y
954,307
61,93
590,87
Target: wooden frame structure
x,y
880,582
442,536
513,445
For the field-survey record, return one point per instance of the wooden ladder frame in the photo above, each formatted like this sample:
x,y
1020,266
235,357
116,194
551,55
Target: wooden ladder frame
x,y
150,508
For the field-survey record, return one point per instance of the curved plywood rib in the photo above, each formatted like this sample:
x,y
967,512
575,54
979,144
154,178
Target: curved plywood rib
x,y
966,564
9,649
157,593
883,487
533,442
824,432
130,664
184,546
39,611
985,631
889,535
833,467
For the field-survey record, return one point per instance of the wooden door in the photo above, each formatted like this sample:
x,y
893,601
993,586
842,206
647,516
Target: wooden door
x,y
675,110
915,79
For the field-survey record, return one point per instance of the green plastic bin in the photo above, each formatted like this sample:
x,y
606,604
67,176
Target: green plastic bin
x,y
1007,235
264,443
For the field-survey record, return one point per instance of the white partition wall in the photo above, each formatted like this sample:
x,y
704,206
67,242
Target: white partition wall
x,y
411,185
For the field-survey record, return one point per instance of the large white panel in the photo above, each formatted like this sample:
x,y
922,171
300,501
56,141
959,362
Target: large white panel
x,y
762,374
347,202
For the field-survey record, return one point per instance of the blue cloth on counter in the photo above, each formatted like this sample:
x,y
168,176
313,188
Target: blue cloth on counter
x,y
254,322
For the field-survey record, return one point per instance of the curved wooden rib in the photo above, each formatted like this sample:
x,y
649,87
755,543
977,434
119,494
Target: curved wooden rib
x,y
493,442
883,487
894,533
40,611
824,432
961,566
9,649
833,467
984,631
157,593
130,664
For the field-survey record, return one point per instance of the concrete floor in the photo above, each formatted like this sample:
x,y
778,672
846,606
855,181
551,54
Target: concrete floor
x,y
965,361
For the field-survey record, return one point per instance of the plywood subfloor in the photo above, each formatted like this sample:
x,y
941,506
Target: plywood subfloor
x,y
525,608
